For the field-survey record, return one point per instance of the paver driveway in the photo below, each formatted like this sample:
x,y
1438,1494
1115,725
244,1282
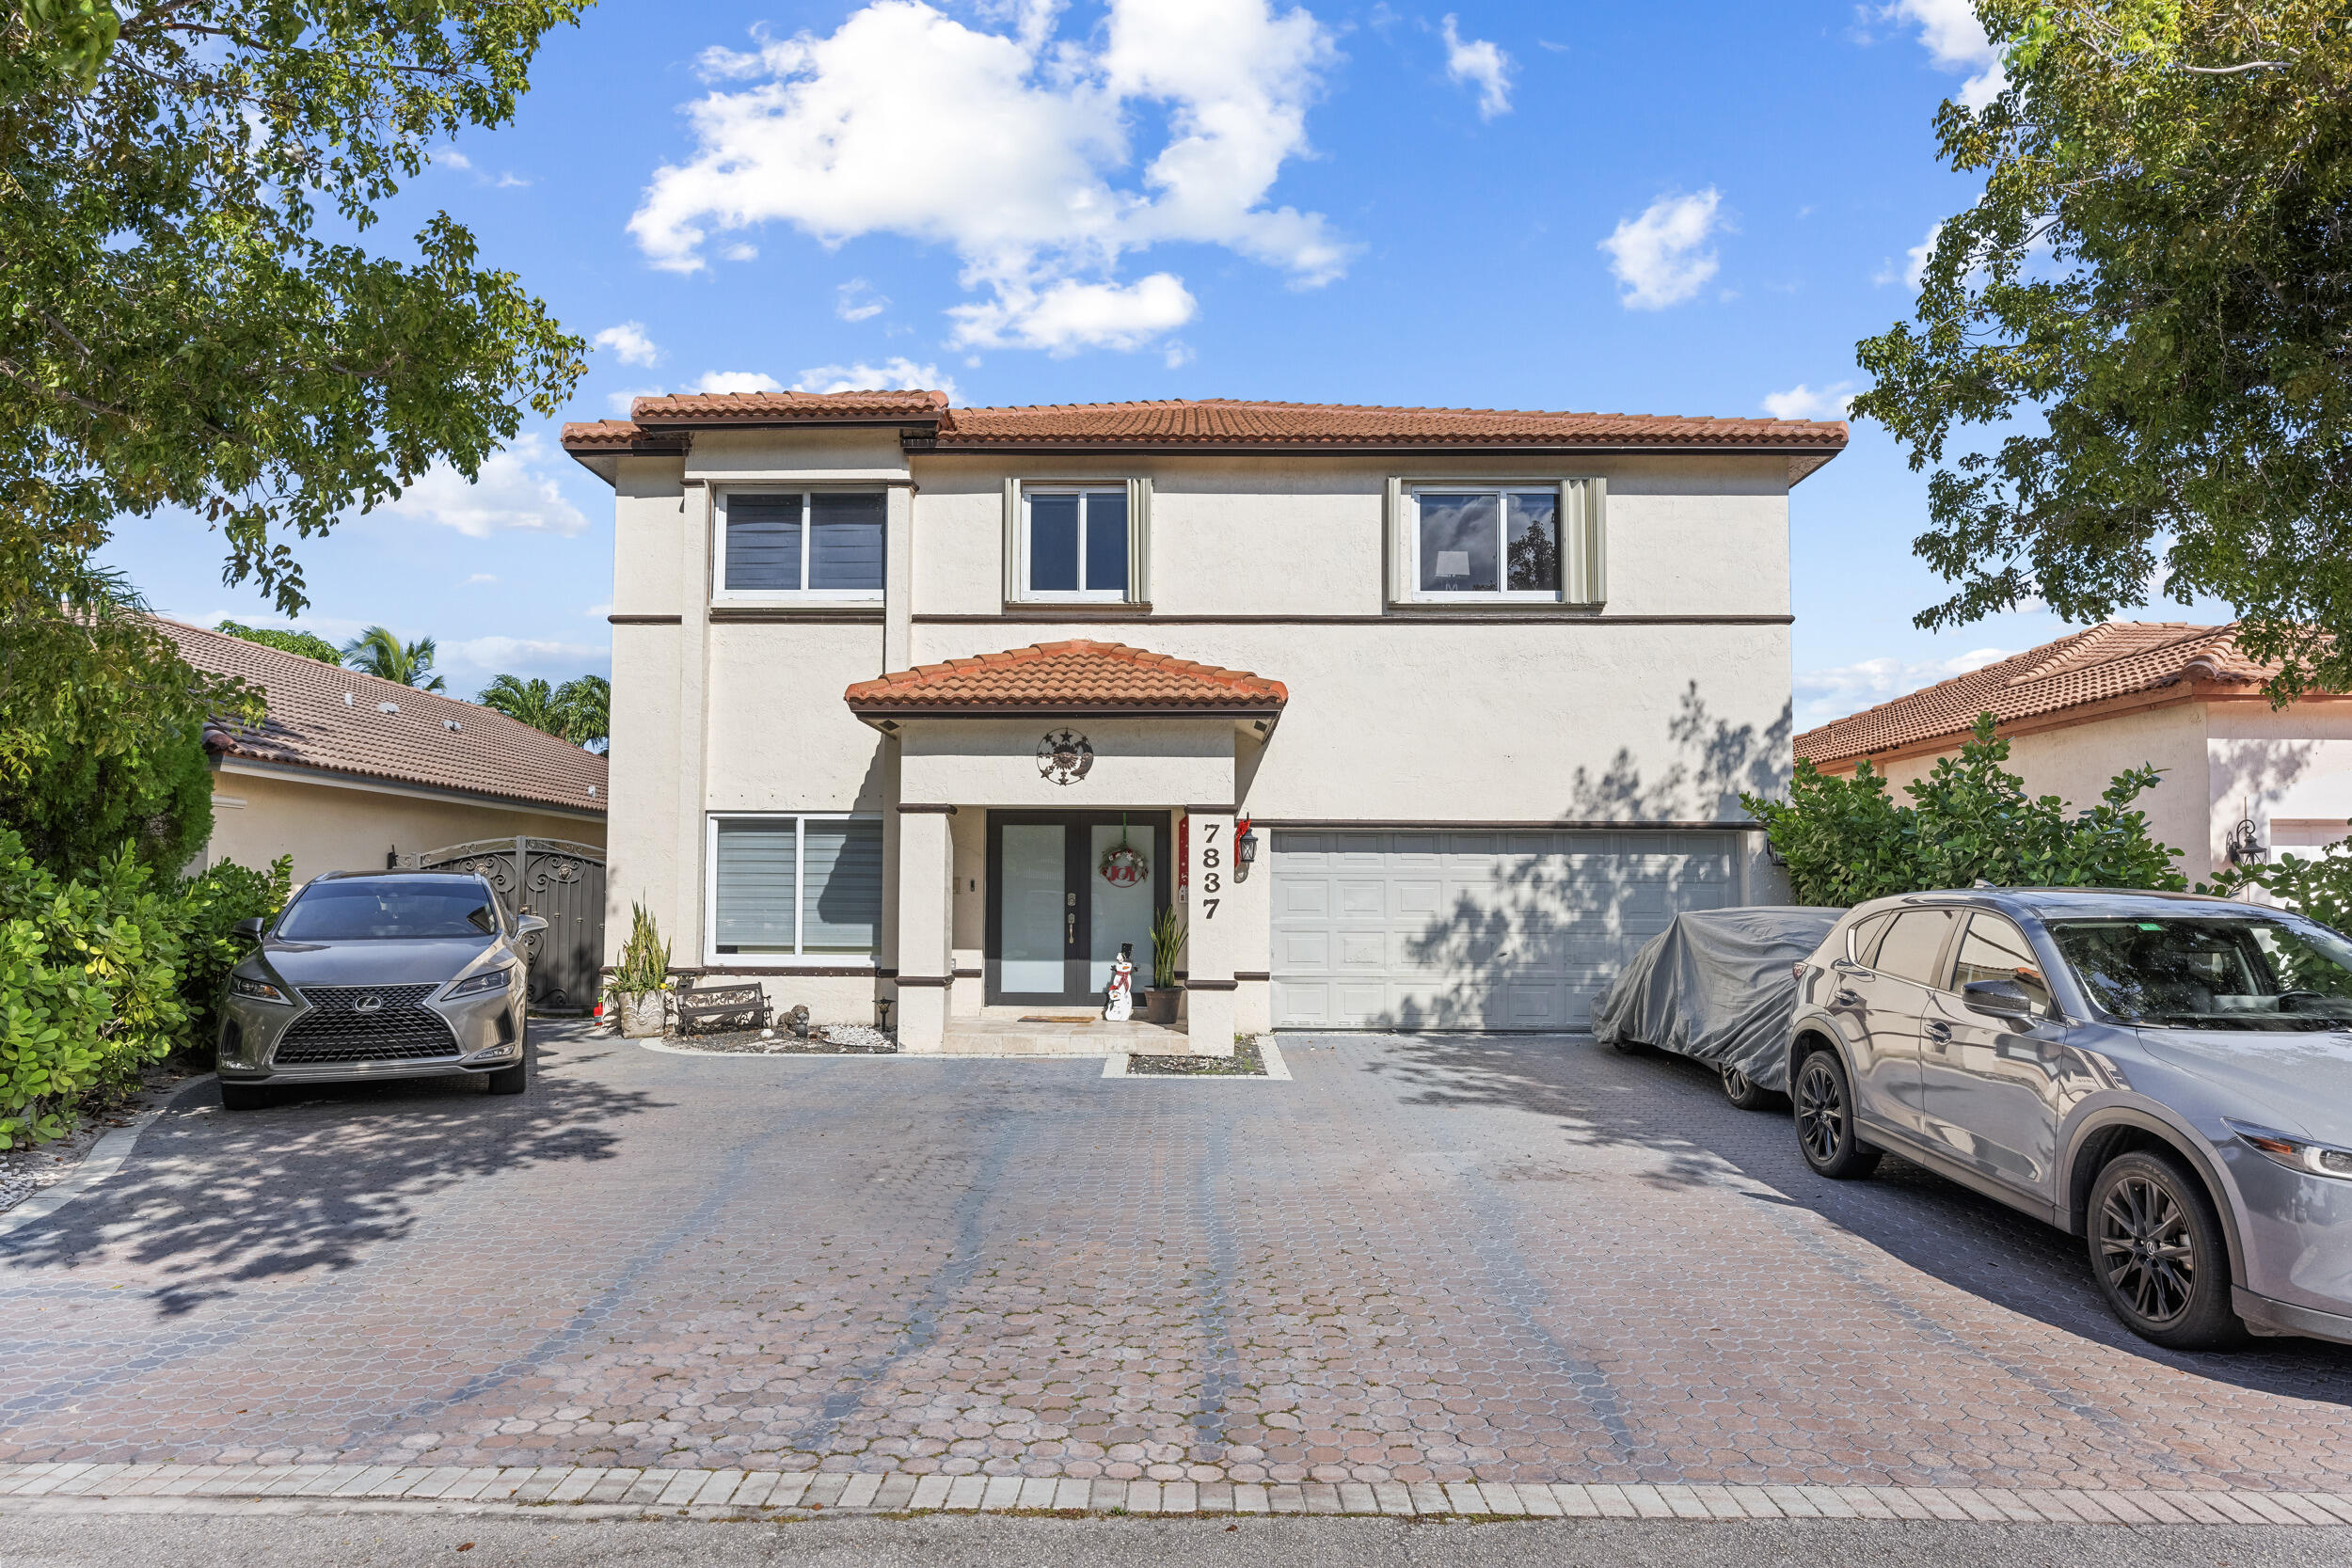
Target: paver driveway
x,y
1437,1258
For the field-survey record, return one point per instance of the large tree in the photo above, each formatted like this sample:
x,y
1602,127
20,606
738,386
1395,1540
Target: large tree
x,y
579,710
380,653
2152,300
186,318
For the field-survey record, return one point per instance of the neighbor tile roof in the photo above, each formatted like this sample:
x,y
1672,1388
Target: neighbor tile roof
x,y
1068,677
1210,424
2115,659
310,726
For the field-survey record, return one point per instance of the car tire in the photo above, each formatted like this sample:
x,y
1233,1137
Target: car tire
x,y
1628,1048
512,1080
245,1097
1823,1099
2159,1254
1745,1092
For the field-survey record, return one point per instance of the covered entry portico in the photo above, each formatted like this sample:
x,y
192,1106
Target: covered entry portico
x,y
1051,756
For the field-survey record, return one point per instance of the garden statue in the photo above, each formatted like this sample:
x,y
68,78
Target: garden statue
x,y
1120,1000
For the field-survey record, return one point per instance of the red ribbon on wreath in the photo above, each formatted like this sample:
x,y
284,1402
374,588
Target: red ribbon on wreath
x,y
1123,864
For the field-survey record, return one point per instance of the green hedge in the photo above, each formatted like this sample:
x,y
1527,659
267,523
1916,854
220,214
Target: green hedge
x,y
102,973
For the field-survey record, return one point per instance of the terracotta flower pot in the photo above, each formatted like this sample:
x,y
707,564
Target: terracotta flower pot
x,y
644,1013
1159,1006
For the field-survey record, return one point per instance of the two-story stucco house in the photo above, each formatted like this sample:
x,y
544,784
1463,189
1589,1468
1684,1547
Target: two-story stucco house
x,y
1421,717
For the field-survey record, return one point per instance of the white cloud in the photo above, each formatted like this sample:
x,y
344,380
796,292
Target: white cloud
x,y
1659,257
629,343
452,158
862,377
622,400
856,301
1006,146
1068,315
1826,694
1954,39
1801,402
1478,63
511,183
738,381
512,491
741,251
471,663
481,576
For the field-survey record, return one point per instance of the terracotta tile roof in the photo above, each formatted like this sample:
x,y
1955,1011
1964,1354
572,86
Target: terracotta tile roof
x,y
2115,659
1067,677
310,726
1210,424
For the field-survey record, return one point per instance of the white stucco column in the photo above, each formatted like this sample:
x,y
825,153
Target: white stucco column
x,y
925,967
1212,926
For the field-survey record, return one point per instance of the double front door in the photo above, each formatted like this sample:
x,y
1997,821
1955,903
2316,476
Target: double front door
x,y
1054,920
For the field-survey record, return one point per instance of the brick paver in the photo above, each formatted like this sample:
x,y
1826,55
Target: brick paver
x,y
1427,1274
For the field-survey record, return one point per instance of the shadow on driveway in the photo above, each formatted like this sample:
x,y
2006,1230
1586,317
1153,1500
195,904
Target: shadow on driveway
x,y
1675,1107
212,1200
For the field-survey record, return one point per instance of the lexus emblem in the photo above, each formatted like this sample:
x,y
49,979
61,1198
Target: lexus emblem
x,y
370,1004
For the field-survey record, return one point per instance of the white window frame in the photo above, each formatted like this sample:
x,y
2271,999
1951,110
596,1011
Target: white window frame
x,y
810,597
1499,489
712,958
1080,488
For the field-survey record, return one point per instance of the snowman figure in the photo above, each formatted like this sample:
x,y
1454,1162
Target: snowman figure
x,y
1118,1002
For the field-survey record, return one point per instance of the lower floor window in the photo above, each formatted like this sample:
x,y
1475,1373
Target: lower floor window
x,y
795,886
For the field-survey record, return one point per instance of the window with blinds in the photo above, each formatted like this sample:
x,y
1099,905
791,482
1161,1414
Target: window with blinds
x,y
813,545
790,887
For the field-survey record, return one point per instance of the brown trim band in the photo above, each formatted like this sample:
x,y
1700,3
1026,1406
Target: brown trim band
x,y
967,974
788,617
1030,609
1211,811
926,809
1417,617
1057,710
644,620
864,972
977,447
1213,985
934,980
1603,826
1253,974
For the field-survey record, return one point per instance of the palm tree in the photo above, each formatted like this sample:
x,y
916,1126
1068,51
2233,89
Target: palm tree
x,y
378,652
576,710
530,703
586,704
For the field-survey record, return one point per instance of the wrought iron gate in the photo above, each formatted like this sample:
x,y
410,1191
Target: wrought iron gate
x,y
562,883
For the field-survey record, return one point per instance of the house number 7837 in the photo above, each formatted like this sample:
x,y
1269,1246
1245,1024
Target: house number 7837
x,y
1210,860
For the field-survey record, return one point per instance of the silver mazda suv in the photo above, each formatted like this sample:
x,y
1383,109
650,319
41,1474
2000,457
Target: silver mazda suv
x,y
370,975
2169,1077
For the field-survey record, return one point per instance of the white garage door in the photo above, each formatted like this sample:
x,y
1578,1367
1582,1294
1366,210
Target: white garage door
x,y
1452,929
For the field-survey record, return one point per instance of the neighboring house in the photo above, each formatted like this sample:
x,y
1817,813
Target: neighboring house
x,y
2124,693
349,771
892,678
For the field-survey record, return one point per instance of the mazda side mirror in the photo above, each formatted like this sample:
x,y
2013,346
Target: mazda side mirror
x,y
2000,998
531,924
249,928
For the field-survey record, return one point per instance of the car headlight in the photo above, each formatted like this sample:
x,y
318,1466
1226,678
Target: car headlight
x,y
477,984
260,990
2299,1154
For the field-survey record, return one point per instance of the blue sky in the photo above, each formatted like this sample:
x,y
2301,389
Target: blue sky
x,y
1669,208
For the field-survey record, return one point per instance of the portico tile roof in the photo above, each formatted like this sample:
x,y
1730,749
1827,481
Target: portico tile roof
x,y
1076,676
1179,423
333,720
2115,659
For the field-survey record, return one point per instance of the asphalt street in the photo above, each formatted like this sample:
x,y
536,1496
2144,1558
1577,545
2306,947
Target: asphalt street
x,y
408,1541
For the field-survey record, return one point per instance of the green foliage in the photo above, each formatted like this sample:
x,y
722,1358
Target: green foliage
x,y
1167,946
284,642
2152,283
579,710
174,329
1847,840
2319,886
645,965
378,652
103,973
101,724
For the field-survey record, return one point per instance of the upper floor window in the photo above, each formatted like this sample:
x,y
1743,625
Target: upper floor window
x,y
814,545
1487,543
1073,543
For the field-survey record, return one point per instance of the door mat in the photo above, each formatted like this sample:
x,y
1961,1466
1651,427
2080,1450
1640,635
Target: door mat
x,y
1057,1017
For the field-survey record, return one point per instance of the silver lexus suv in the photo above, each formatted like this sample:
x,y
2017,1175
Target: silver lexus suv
x,y
372,974
2169,1077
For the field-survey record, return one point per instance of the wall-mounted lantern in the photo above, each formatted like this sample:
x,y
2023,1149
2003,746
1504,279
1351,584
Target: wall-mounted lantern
x,y
1245,844
2246,846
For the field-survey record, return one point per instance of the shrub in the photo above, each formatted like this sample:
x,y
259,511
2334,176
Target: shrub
x,y
2320,887
209,906
645,965
1847,840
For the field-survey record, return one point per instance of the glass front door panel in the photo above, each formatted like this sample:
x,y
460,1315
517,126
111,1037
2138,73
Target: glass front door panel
x,y
1118,914
1035,906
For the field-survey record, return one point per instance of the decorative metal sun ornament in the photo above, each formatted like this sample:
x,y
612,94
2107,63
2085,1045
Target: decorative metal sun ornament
x,y
1064,756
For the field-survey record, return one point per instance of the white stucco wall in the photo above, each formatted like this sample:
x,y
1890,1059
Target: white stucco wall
x,y
2290,771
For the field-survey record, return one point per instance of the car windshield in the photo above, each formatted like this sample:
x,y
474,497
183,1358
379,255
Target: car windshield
x,y
358,911
2218,972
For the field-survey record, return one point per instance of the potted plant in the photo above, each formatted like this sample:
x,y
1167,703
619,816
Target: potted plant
x,y
1167,945
641,981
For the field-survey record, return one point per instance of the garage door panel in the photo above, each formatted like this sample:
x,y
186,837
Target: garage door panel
x,y
1473,928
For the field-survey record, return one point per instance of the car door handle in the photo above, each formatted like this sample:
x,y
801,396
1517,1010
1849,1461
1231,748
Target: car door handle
x,y
1846,999
1936,1029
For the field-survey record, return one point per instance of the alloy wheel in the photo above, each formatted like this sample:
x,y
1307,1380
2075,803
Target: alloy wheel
x,y
2147,1250
1820,1112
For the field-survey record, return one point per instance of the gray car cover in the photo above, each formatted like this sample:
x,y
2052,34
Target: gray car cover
x,y
1718,985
